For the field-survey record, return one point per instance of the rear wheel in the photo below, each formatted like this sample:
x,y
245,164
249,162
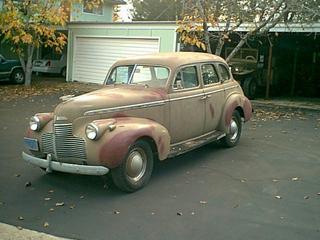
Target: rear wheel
x,y
235,127
136,169
250,87
17,76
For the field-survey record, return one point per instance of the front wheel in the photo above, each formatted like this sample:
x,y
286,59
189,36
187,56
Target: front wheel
x,y
136,169
17,76
235,127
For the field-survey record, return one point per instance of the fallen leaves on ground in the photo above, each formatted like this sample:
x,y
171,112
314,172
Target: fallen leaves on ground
x,y
45,86
59,204
276,115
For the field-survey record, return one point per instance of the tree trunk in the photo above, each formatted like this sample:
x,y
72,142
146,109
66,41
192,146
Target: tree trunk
x,y
219,46
237,48
205,28
28,67
207,38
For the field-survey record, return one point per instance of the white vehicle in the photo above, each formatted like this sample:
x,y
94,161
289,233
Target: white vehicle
x,y
53,63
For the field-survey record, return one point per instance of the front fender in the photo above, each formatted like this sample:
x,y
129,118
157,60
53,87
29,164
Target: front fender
x,y
239,102
112,146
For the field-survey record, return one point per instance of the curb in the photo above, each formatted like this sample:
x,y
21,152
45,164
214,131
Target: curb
x,y
285,105
9,232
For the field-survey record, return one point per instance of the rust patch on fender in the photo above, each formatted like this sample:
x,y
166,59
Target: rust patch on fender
x,y
211,110
114,150
247,109
229,112
45,117
29,133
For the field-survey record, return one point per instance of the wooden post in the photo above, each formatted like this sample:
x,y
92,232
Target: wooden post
x,y
294,71
269,76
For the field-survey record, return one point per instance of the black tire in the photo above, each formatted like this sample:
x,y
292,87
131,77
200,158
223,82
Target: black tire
x,y
250,88
129,177
232,138
63,72
17,76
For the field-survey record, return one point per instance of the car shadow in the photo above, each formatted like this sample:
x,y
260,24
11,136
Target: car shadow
x,y
98,186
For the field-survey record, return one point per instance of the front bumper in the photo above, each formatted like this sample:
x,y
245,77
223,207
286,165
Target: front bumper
x,y
64,167
43,69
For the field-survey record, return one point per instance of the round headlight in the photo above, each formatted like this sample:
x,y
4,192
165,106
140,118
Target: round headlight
x,y
92,131
34,123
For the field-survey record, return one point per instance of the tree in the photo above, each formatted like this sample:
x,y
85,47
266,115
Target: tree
x,y
228,16
29,24
116,14
156,10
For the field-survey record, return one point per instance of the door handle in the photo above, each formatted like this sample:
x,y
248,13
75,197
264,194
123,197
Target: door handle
x,y
209,96
203,98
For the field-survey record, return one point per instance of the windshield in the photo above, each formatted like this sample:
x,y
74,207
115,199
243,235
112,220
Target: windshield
x,y
153,76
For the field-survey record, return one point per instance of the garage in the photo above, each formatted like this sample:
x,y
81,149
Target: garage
x,y
94,47
95,55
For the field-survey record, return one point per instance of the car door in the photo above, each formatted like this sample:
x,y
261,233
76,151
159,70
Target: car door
x,y
187,105
214,95
4,68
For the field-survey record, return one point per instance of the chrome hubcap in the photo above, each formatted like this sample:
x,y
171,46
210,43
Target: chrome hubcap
x,y
19,77
136,165
234,130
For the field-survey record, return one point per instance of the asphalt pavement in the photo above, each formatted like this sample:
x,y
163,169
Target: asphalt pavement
x,y
267,187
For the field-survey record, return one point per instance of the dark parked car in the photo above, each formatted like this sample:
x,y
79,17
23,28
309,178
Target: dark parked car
x,y
11,70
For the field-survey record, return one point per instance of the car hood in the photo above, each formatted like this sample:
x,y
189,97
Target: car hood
x,y
13,61
108,97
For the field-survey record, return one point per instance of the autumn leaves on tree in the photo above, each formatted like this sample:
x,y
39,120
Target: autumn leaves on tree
x,y
27,25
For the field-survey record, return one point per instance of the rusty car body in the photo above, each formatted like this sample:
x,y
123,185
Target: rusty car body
x,y
170,103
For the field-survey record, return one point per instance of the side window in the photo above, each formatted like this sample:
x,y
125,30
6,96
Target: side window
x,y
209,74
120,75
161,73
142,74
186,78
224,72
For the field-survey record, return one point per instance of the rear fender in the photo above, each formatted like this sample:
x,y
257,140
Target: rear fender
x,y
235,102
114,145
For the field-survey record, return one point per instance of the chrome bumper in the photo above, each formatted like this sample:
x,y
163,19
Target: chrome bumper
x,y
64,167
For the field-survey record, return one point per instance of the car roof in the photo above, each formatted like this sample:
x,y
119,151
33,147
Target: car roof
x,y
171,60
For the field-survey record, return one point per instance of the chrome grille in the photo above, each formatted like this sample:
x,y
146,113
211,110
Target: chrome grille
x,y
47,143
62,144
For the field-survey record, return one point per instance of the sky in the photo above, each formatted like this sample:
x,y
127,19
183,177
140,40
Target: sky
x,y
124,12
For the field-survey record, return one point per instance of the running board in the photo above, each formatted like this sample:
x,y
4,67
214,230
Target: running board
x,y
186,146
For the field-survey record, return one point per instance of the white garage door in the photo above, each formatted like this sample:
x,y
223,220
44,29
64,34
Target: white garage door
x,y
94,56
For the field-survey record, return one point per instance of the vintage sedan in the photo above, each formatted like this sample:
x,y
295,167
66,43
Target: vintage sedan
x,y
170,104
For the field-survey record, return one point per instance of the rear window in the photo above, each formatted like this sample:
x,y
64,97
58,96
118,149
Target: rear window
x,y
224,72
